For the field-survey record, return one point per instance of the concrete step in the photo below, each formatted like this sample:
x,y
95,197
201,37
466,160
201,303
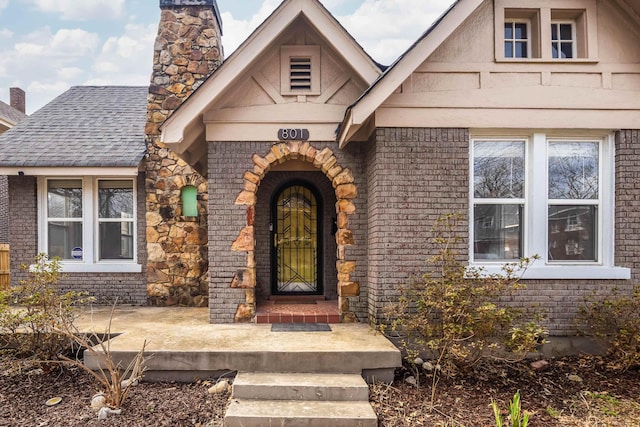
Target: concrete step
x,y
309,387
289,413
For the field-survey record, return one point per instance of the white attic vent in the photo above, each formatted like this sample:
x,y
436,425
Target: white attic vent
x,y
300,74
300,70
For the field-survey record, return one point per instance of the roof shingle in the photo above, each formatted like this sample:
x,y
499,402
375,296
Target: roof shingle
x,y
11,114
86,126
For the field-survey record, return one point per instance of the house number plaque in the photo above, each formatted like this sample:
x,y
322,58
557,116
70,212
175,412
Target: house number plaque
x,y
293,134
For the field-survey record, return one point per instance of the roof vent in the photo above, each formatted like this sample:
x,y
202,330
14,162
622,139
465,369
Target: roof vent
x,y
300,70
300,74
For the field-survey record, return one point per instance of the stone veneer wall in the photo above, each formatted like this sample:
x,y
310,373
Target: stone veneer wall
x,y
187,50
4,209
416,175
228,163
128,288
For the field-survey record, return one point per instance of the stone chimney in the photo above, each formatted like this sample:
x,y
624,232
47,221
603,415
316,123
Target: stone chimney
x,y
187,51
17,99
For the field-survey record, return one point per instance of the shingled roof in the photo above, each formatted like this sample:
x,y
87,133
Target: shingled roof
x,y
11,114
87,126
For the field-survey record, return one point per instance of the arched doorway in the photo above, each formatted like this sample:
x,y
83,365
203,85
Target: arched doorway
x,y
296,240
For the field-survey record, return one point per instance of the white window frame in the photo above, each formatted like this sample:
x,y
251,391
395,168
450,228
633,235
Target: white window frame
x,y
574,39
514,40
536,208
90,227
583,15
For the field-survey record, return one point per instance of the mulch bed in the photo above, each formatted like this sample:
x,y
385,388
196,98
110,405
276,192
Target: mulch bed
x,y
554,396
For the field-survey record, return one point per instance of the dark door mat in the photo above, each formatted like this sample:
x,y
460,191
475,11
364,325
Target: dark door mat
x,y
294,302
300,327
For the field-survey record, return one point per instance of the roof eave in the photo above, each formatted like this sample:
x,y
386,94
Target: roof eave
x,y
406,64
175,129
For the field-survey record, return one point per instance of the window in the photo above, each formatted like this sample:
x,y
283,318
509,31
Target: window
x,y
553,30
498,192
89,223
563,40
548,196
300,70
115,219
574,200
516,39
64,218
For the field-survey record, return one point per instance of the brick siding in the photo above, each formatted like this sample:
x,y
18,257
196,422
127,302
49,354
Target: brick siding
x,y
127,288
414,176
228,162
4,209
417,175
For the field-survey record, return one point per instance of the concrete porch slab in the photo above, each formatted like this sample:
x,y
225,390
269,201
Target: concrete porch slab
x,y
183,346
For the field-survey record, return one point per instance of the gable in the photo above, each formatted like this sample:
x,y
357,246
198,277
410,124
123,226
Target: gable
x,y
266,97
244,98
467,81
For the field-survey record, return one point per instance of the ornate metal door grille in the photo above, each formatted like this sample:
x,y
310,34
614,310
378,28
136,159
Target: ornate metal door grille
x,y
295,241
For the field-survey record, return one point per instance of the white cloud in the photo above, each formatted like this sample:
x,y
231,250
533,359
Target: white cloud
x,y
236,31
75,42
386,28
69,73
126,59
5,33
45,63
81,9
4,4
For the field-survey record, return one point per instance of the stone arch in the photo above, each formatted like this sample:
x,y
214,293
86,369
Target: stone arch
x,y
345,190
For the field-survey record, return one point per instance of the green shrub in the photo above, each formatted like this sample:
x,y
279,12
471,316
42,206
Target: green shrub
x,y
615,322
454,310
33,313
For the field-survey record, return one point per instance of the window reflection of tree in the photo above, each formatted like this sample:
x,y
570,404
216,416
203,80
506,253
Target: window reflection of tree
x,y
499,170
573,170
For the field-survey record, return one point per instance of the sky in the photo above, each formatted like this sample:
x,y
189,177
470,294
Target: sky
x,y
47,46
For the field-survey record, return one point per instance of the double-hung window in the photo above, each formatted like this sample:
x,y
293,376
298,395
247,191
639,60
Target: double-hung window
x,y
89,223
498,199
574,201
547,196
64,218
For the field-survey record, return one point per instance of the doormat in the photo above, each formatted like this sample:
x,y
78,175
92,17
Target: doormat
x,y
294,302
300,327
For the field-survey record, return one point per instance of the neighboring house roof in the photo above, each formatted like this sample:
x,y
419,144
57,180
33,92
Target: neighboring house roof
x,y
185,125
9,115
86,126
